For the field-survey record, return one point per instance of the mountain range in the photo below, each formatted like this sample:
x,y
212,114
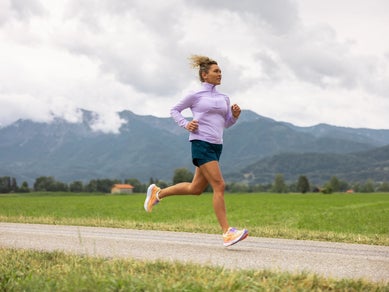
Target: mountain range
x,y
254,151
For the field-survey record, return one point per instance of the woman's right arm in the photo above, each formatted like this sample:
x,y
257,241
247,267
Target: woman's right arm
x,y
183,104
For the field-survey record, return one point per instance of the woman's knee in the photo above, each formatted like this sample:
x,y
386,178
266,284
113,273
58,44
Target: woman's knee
x,y
219,186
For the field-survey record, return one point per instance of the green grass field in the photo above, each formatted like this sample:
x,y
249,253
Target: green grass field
x,y
356,218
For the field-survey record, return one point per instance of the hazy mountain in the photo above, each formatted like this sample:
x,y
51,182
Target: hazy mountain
x,y
73,151
318,167
148,146
258,137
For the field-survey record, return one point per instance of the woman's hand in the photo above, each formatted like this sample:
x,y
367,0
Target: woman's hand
x,y
192,126
235,110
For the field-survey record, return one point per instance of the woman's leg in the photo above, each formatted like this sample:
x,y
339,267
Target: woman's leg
x,y
196,187
208,173
212,173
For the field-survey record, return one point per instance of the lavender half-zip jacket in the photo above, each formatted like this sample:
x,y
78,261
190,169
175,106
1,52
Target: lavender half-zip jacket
x,y
210,108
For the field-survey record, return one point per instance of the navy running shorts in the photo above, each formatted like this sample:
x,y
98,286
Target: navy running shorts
x,y
203,152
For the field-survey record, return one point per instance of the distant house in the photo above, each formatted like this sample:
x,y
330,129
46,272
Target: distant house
x,y
122,189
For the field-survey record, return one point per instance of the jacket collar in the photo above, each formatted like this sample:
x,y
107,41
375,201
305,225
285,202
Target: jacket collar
x,y
209,86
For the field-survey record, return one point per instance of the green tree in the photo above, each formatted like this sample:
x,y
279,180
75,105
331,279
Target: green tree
x,y
76,186
293,187
303,184
91,187
14,185
279,185
238,188
182,175
7,184
44,184
384,187
356,187
334,183
257,188
49,184
24,188
60,187
368,187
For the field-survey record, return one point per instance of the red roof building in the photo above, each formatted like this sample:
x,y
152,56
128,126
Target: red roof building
x,y
122,189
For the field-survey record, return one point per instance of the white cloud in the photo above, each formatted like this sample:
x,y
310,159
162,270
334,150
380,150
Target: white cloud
x,y
16,106
107,122
288,60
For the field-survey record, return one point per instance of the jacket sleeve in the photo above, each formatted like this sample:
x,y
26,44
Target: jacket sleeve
x,y
175,111
230,120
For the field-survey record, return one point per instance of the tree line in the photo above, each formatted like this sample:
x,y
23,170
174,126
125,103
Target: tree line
x,y
302,185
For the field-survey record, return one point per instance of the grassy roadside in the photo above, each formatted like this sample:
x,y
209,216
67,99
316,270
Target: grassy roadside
x,y
338,217
56,271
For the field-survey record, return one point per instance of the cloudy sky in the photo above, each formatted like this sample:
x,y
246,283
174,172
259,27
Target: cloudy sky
x,y
299,61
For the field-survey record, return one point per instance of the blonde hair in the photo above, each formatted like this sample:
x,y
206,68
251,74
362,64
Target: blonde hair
x,y
201,62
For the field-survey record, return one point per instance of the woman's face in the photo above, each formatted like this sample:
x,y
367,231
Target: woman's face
x,y
214,75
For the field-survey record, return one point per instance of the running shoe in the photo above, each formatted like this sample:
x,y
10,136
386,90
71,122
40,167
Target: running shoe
x,y
151,197
234,235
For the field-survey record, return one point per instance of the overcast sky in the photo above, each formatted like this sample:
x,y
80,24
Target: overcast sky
x,y
303,61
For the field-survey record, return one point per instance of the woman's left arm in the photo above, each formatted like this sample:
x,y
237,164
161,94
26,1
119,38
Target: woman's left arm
x,y
232,114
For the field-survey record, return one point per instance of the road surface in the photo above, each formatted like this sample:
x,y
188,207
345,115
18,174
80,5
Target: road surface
x,y
336,260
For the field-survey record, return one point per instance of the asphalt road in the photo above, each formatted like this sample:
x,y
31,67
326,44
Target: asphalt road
x,y
337,260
